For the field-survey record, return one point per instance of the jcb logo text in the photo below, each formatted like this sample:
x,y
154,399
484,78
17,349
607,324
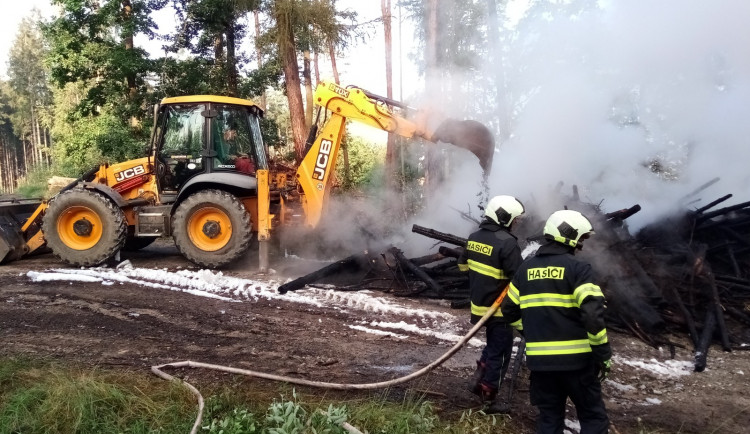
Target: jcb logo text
x,y
321,162
556,273
129,173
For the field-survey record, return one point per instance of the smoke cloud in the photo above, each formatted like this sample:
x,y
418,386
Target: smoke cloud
x,y
632,101
635,102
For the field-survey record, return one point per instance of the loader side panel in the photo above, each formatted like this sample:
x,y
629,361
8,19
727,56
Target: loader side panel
x,y
315,171
14,216
238,184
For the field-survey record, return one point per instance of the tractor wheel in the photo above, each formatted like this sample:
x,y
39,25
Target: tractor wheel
x,y
212,228
84,228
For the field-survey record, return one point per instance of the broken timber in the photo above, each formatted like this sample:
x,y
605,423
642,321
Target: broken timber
x,y
418,272
299,283
440,236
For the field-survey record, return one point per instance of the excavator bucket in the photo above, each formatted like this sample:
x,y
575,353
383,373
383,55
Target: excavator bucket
x,y
471,135
13,215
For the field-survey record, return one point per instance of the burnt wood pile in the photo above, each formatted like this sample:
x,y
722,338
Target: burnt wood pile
x,y
434,275
701,261
688,274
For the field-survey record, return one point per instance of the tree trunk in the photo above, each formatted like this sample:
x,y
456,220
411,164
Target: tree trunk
x,y
347,167
259,55
231,59
3,151
316,68
127,41
47,157
307,76
501,94
344,146
334,68
290,67
38,140
431,82
390,150
219,49
6,164
431,49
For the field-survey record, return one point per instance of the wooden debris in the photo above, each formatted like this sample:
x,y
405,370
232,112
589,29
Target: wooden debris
x,y
441,236
687,273
418,272
352,261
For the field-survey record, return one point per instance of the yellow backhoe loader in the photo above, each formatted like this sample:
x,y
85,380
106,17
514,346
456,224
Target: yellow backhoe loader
x,y
207,182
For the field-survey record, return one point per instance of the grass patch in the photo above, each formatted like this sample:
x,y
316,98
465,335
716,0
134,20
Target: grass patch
x,y
43,397
34,183
47,397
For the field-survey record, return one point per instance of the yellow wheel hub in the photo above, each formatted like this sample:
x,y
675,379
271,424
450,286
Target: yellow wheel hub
x,y
209,228
79,227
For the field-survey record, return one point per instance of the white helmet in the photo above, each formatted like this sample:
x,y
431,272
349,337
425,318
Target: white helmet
x,y
567,227
503,209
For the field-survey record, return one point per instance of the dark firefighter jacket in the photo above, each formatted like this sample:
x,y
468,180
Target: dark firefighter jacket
x,y
560,311
491,256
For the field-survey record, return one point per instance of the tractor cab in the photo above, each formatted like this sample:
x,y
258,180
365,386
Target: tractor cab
x,y
206,139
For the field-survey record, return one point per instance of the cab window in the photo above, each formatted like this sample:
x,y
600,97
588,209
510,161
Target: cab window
x,y
233,139
182,143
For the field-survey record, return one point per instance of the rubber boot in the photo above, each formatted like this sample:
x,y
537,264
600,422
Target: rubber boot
x,y
477,378
496,406
486,393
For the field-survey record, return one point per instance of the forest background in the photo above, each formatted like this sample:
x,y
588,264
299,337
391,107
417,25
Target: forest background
x,y
78,89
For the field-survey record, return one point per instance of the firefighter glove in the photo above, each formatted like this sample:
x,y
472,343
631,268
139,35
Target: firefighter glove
x,y
605,366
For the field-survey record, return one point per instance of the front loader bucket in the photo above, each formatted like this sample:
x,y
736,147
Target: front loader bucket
x,y
471,135
13,215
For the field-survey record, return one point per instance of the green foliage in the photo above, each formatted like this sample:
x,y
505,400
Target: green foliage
x,y
330,421
277,110
45,398
366,160
414,416
85,141
34,184
282,417
239,421
258,80
286,417
95,45
478,422
27,76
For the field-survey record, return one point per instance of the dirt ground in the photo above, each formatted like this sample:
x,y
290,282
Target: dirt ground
x,y
136,327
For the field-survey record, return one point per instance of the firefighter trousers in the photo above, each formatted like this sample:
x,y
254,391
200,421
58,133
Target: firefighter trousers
x,y
550,390
496,354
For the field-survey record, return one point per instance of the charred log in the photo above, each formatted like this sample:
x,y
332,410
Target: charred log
x,y
427,259
440,236
415,270
351,262
449,252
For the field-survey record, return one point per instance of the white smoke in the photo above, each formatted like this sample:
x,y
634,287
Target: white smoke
x,y
632,101
601,93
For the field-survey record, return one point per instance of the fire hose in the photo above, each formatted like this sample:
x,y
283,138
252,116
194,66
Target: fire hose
x,y
321,384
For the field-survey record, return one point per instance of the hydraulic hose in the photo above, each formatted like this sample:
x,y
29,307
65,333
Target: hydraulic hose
x,y
322,384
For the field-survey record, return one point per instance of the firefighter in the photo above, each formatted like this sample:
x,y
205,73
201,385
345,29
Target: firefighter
x,y
491,256
554,301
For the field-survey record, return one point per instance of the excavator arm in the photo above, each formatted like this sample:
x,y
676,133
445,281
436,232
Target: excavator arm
x,y
315,170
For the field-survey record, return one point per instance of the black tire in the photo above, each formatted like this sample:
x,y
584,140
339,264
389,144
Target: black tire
x,y
84,228
212,228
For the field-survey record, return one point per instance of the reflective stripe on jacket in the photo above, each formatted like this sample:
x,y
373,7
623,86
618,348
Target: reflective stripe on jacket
x,y
561,311
491,256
